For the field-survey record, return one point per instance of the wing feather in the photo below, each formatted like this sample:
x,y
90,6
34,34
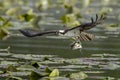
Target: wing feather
x,y
83,36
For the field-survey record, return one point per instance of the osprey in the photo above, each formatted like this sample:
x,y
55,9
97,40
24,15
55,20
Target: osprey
x,y
82,35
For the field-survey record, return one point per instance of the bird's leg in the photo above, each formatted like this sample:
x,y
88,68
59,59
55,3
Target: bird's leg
x,y
97,20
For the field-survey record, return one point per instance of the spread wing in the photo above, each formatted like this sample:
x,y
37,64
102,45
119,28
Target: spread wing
x,y
87,26
28,33
82,28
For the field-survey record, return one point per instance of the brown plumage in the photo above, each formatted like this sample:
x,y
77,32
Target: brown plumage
x,y
82,28
83,36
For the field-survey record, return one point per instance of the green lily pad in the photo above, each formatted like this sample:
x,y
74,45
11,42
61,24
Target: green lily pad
x,y
4,33
76,76
54,73
5,22
75,23
2,19
29,16
68,18
13,11
36,65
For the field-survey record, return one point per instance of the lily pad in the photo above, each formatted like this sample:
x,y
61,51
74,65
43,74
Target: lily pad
x,y
54,73
36,65
4,34
35,75
13,11
78,76
29,16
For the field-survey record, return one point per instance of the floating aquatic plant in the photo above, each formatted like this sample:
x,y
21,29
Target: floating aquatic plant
x,y
70,20
4,26
28,17
13,11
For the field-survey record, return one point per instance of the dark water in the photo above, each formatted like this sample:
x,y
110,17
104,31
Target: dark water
x,y
99,58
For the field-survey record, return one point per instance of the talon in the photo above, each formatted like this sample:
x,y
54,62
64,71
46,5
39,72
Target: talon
x,y
92,20
96,17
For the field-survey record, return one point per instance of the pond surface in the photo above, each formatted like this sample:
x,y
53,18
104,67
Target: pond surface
x,y
99,58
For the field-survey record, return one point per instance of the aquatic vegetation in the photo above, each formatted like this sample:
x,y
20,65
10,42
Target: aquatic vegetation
x,y
54,75
4,34
13,11
70,20
28,17
114,25
50,57
4,26
43,5
105,2
79,75
5,23
86,3
106,11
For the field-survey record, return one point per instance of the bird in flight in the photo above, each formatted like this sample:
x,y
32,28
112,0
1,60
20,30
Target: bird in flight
x,y
82,35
